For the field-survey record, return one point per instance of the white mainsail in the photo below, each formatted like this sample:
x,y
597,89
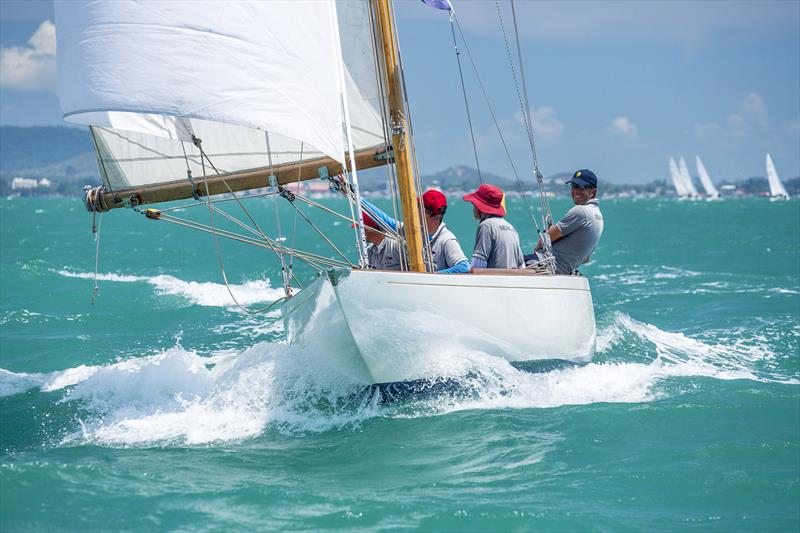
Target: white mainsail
x,y
711,191
776,188
687,180
677,180
259,84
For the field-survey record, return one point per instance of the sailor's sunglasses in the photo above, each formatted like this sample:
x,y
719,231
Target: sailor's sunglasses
x,y
579,187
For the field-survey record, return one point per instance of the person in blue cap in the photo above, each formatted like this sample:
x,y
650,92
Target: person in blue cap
x,y
575,236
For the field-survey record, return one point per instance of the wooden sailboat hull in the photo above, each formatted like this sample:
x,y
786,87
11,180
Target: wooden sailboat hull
x,y
384,327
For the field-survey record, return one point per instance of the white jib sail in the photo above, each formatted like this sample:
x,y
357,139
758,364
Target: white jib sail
x,y
272,65
677,180
776,188
711,191
687,179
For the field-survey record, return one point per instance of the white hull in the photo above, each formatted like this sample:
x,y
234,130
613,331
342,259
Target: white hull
x,y
383,327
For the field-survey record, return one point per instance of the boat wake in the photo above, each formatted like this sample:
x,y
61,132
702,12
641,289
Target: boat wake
x,y
180,397
206,294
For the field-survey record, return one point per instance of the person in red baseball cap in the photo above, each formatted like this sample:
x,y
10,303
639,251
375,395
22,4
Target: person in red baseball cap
x,y
448,258
446,253
496,241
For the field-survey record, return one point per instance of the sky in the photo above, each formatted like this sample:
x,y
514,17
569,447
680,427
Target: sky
x,y
615,86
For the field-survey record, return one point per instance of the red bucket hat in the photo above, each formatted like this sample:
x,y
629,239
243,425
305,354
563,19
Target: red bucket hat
x,y
488,199
434,200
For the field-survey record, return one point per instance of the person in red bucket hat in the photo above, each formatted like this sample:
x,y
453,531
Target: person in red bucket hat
x,y
496,241
383,253
446,253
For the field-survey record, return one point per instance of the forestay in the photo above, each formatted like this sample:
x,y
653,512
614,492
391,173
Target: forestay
x,y
258,82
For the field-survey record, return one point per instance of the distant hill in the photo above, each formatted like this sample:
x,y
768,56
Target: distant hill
x,y
24,149
463,178
65,156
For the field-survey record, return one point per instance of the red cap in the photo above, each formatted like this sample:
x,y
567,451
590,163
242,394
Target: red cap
x,y
368,222
488,199
434,200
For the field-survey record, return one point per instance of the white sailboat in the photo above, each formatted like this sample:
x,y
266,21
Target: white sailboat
x,y
677,179
776,189
245,95
711,191
686,178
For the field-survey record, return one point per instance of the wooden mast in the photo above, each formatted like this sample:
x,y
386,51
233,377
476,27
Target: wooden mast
x,y
400,138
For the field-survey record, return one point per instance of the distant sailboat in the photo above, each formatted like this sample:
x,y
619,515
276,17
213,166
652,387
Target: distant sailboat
x,y
687,180
776,189
677,180
711,191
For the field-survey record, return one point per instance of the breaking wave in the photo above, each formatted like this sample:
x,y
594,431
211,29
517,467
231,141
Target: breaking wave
x,y
199,293
181,397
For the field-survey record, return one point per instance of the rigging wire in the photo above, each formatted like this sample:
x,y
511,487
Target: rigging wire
x,y
96,288
221,262
312,259
426,244
546,213
522,189
464,92
380,81
294,219
287,287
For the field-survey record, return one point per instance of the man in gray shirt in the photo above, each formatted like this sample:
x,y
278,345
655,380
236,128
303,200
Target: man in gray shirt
x,y
383,252
576,235
496,241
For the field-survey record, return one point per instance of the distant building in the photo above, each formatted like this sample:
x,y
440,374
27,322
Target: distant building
x,y
21,184
44,182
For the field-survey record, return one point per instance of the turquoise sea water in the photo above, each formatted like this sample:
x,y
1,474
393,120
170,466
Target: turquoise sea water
x,y
164,407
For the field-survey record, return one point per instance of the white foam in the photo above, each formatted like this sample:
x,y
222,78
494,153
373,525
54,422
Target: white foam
x,y
199,293
181,397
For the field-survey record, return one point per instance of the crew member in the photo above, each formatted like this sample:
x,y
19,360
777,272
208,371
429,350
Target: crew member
x,y
446,253
575,236
383,253
496,241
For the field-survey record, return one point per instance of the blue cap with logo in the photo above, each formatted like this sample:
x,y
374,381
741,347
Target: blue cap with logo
x,y
584,177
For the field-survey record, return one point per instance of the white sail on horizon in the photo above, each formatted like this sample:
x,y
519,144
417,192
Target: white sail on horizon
x,y
686,178
776,188
705,179
677,181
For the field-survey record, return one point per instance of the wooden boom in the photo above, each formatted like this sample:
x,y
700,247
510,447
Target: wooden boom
x,y
239,181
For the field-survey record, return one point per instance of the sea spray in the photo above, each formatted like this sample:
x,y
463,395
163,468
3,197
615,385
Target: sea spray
x,y
180,397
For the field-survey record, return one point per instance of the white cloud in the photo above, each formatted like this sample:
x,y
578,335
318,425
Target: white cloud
x,y
623,127
546,124
749,119
31,67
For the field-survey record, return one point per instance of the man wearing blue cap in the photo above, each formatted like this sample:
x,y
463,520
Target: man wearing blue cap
x,y
575,236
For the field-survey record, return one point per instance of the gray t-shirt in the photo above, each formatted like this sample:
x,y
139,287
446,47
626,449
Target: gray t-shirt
x,y
384,256
497,243
580,228
445,249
